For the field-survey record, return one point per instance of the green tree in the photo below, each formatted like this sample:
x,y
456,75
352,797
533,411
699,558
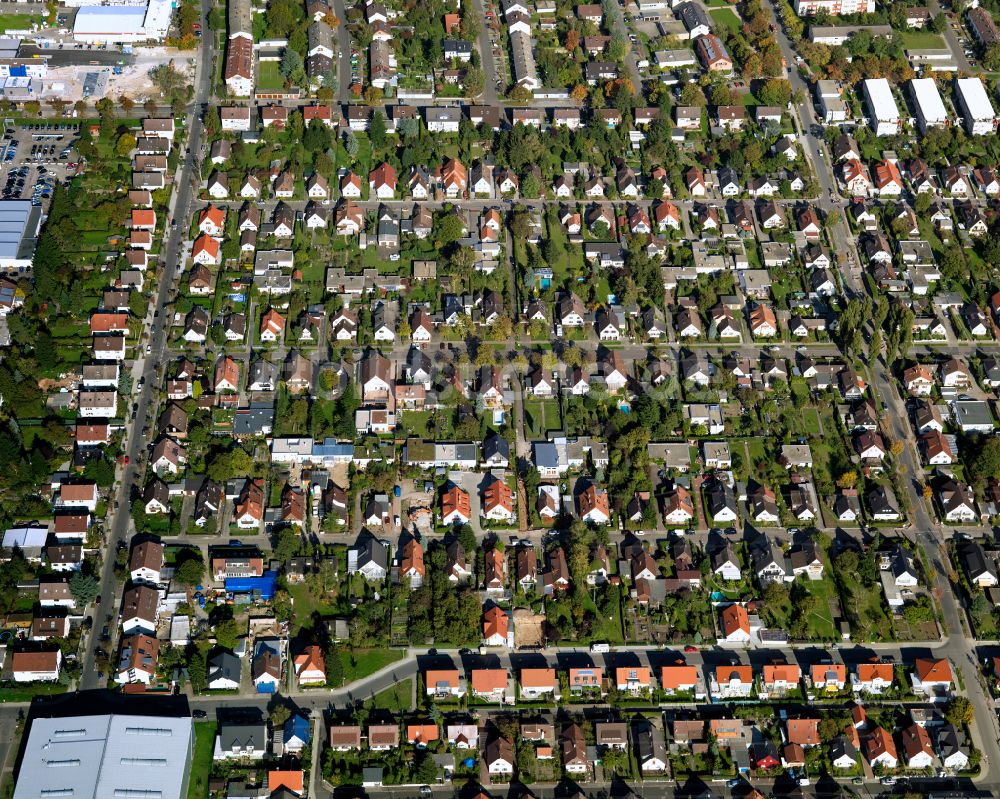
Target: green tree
x,y
84,588
986,462
291,62
776,91
316,137
448,228
334,668
288,545
197,669
125,144
960,712
991,58
228,633
101,471
425,769
475,82
376,129
280,713
191,572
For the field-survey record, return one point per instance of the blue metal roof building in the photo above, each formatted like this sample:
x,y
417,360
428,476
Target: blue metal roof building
x,y
264,586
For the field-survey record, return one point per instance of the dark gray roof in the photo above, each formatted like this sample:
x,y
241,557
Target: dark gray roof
x,y
225,665
243,735
496,445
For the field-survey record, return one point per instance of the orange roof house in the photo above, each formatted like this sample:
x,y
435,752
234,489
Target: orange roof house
x,y
930,673
211,219
537,681
741,672
310,666
829,676
585,677
205,249
887,173
496,625
724,729
486,682
495,569
456,505
143,219
383,175
917,746
762,318
678,677
498,499
594,504
735,622
454,176
442,681
804,732
452,22
108,323
875,674
412,563
250,505
880,748
292,780
421,734
782,674
272,324
227,375
633,678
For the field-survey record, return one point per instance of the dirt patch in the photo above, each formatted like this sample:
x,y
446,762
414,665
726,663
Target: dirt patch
x,y
340,474
67,82
48,385
528,628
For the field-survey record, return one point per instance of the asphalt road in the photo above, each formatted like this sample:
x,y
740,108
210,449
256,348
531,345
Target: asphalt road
x,y
490,96
343,53
120,517
951,38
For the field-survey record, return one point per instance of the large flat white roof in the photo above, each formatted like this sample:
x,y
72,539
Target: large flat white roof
x,y
928,100
109,20
19,221
157,19
977,101
106,757
882,103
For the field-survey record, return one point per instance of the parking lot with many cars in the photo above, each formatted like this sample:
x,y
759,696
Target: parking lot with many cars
x,y
35,158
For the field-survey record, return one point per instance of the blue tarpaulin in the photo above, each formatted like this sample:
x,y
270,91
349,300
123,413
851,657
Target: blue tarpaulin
x,y
263,586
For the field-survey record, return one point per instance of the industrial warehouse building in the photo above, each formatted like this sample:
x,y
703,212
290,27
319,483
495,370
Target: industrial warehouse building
x,y
19,223
123,24
107,755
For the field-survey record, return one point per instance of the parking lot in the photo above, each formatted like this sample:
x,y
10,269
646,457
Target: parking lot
x,y
33,158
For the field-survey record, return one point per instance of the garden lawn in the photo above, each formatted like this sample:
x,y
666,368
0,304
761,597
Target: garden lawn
x,y
726,17
821,627
360,663
607,630
201,761
541,416
810,421
269,76
307,603
11,22
399,698
921,40
864,605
